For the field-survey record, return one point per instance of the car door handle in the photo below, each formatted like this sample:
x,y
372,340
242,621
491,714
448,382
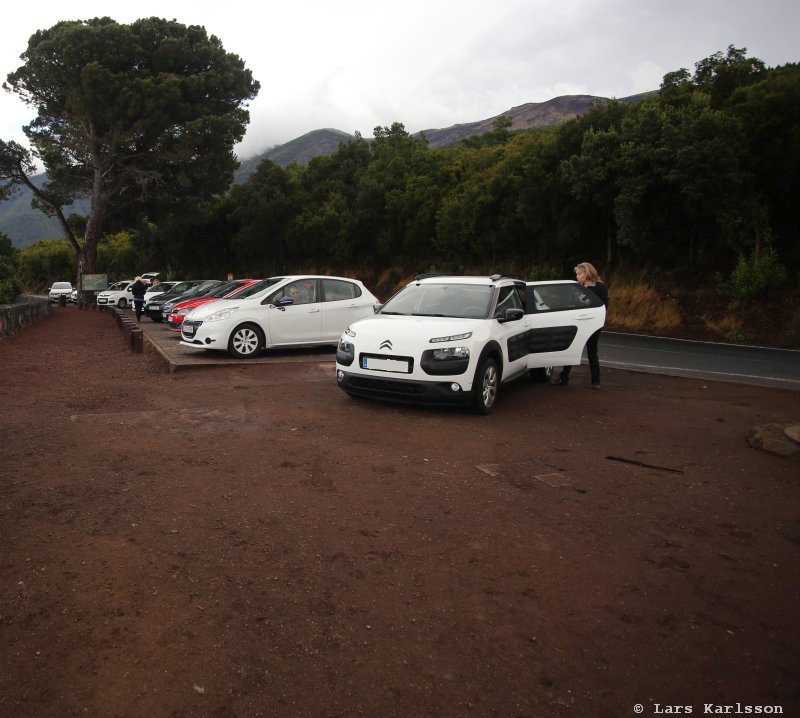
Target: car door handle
x,y
313,311
585,316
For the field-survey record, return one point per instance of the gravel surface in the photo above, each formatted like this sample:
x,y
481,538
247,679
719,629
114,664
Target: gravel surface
x,y
249,541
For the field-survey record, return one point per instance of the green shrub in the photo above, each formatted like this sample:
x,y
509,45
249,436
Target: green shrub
x,y
10,286
756,276
9,290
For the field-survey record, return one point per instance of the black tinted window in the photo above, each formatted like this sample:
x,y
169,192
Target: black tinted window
x,y
560,297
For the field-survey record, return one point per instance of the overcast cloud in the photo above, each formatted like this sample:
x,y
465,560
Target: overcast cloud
x,y
356,64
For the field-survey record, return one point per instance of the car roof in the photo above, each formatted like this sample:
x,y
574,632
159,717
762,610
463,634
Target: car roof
x,y
436,278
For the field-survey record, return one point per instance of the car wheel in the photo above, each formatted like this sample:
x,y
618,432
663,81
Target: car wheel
x,y
542,374
122,303
485,386
246,341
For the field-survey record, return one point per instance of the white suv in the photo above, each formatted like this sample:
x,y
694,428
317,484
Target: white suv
x,y
452,339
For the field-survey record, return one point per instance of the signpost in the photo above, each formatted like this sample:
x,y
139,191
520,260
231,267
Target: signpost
x,y
94,282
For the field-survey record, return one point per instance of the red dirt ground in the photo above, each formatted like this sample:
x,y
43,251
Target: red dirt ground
x,y
249,541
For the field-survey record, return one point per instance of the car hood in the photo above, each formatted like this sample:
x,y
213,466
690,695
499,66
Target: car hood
x,y
202,311
405,330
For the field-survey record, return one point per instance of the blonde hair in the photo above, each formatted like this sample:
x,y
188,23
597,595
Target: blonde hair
x,y
591,272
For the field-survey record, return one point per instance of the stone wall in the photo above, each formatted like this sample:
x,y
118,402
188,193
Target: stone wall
x,y
24,312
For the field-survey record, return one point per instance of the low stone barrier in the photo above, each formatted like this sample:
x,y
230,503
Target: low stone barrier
x,y
22,313
132,334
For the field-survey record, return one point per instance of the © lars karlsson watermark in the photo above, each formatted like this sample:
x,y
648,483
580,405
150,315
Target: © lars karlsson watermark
x,y
734,709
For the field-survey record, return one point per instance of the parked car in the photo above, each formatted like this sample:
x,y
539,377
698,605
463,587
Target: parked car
x,y
291,311
455,340
154,290
60,289
175,313
116,295
153,307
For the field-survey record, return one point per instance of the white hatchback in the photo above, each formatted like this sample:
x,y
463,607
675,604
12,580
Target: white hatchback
x,y
115,295
290,311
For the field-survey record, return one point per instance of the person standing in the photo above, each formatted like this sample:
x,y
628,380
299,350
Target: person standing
x,y
138,290
587,275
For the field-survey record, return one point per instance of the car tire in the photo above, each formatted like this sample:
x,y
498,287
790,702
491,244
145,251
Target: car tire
x,y
542,374
485,386
246,341
122,303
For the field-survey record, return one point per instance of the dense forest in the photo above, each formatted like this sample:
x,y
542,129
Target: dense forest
x,y
697,183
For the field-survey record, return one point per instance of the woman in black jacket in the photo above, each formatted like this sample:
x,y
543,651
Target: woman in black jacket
x,y
587,275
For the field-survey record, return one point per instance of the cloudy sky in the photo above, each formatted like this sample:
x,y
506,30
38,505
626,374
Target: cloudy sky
x,y
356,64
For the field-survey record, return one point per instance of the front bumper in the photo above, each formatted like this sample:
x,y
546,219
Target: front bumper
x,y
411,391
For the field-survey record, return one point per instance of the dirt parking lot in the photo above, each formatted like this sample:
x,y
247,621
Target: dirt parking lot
x,y
249,541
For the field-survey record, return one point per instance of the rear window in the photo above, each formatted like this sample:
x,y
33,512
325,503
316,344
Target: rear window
x,y
335,290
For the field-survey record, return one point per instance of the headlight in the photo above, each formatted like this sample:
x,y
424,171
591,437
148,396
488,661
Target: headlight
x,y
452,338
451,353
221,314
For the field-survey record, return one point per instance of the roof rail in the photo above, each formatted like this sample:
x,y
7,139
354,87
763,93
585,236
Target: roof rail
x,y
495,277
428,275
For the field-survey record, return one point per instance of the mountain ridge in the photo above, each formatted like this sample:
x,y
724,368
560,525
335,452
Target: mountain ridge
x,y
25,226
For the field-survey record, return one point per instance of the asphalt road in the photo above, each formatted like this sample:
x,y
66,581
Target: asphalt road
x,y
702,360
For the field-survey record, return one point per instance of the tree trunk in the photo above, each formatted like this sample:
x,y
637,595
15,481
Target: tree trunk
x,y
87,254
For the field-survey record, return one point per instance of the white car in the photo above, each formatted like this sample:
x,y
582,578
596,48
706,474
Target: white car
x,y
116,295
449,339
291,311
60,289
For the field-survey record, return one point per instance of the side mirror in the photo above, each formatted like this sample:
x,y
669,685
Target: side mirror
x,y
377,307
511,315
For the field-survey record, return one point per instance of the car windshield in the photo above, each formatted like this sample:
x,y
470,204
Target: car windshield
x,y
441,300
62,285
223,289
257,288
205,288
182,287
117,286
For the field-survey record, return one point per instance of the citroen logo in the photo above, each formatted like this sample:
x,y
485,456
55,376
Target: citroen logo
x,y
386,344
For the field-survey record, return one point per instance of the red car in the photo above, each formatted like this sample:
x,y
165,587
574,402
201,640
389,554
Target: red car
x,y
228,289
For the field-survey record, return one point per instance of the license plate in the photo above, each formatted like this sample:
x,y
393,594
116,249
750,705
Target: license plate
x,y
400,366
188,330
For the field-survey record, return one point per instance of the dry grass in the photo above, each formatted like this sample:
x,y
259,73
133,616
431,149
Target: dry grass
x,y
638,307
730,326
